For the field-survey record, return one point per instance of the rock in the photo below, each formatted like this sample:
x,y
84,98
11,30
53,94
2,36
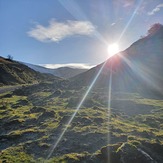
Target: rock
x,y
7,95
30,122
37,109
96,108
125,153
57,93
11,125
155,150
46,115
65,119
98,120
131,154
109,153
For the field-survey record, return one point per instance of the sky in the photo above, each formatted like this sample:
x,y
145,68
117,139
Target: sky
x,y
72,32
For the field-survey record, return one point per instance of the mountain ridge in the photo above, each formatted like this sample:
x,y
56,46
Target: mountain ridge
x,y
139,64
63,72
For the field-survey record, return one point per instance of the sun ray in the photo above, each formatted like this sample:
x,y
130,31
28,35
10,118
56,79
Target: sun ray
x,y
109,107
110,89
100,37
140,71
110,78
74,9
76,111
130,20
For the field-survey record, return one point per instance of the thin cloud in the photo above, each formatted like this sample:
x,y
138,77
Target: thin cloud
x,y
57,31
128,3
113,24
72,65
156,9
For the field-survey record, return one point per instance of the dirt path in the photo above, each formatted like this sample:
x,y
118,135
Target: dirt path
x,y
9,88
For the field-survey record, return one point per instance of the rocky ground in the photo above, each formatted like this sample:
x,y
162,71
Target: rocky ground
x,y
32,119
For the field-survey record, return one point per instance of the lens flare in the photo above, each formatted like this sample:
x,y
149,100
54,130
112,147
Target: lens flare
x,y
100,37
76,111
109,106
130,20
141,72
76,11
110,89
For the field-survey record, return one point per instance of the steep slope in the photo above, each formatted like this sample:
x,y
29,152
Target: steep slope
x,y
139,66
12,73
63,72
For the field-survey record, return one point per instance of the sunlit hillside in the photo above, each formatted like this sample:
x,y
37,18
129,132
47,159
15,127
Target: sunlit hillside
x,y
81,81
111,113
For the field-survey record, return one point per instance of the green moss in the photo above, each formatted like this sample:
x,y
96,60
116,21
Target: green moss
x,y
89,119
72,157
16,155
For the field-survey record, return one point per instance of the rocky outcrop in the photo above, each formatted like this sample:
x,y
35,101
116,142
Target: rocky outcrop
x,y
130,153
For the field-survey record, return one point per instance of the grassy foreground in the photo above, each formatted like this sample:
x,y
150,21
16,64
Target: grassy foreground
x,y
33,117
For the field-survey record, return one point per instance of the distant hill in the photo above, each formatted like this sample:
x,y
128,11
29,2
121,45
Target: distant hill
x,y
63,72
138,67
13,72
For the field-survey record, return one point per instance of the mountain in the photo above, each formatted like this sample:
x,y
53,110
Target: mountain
x,y
13,72
139,66
59,121
39,68
63,72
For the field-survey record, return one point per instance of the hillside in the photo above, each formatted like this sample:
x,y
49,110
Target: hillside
x,y
32,119
137,67
13,73
63,72
60,121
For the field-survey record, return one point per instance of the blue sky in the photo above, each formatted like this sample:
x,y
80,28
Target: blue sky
x,y
72,31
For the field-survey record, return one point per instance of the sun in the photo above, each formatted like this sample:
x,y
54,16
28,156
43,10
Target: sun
x,y
113,49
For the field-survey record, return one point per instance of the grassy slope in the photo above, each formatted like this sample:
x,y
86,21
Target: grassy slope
x,y
14,73
33,118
